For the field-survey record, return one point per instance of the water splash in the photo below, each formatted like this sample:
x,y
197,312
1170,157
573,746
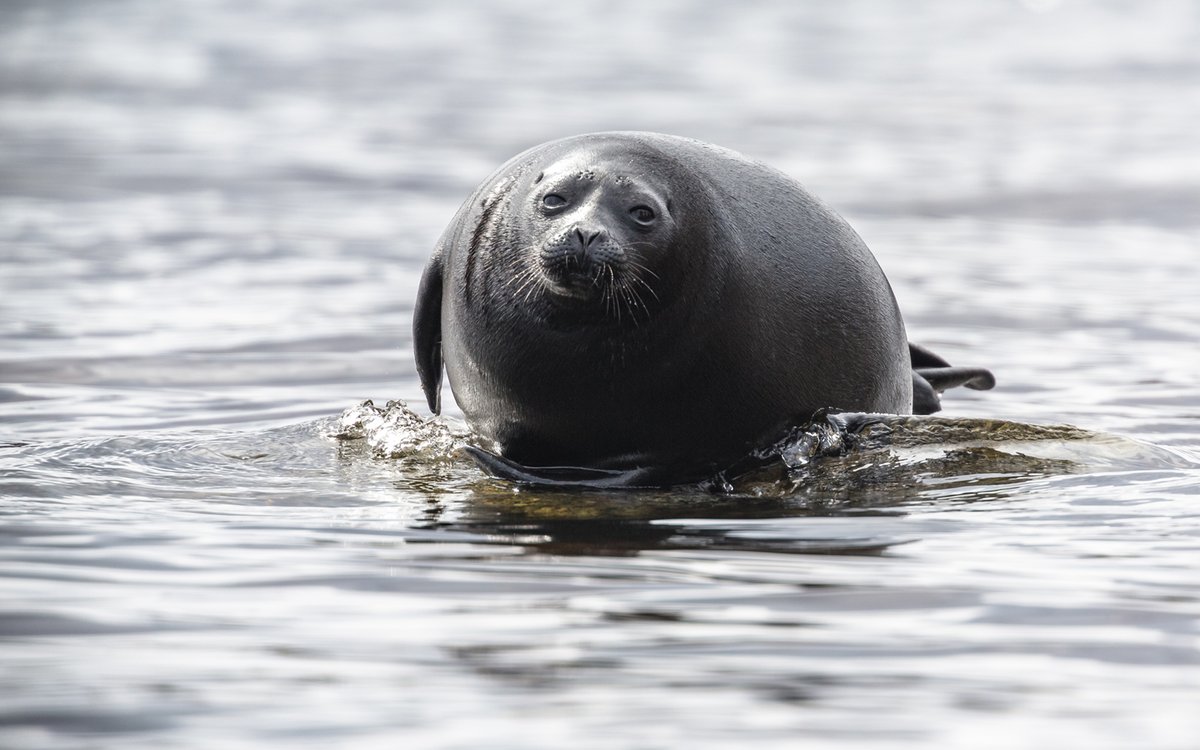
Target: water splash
x,y
829,457
395,431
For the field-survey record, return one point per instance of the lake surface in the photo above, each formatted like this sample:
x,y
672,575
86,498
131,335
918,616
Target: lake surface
x,y
213,216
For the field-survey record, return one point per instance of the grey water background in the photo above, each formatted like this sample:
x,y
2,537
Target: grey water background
x,y
213,216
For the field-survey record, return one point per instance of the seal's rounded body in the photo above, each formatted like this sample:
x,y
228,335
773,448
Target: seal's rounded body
x,y
616,300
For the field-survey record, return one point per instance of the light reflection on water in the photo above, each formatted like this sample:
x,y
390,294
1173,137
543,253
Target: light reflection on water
x,y
212,221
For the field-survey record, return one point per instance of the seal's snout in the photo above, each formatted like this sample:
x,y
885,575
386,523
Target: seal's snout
x,y
577,253
585,239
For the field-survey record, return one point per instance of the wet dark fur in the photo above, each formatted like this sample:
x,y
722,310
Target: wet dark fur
x,y
745,306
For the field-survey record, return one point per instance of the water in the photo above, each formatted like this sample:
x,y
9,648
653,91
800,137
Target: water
x,y
213,216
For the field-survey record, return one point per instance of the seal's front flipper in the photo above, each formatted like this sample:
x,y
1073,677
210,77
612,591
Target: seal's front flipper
x,y
561,476
932,375
427,333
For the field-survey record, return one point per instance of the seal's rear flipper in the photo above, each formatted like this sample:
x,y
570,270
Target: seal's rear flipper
x,y
925,398
921,357
932,375
563,476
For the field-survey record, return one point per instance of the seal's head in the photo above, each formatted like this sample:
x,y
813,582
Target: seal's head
x,y
598,234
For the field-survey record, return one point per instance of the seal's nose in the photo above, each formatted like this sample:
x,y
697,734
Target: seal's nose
x,y
585,238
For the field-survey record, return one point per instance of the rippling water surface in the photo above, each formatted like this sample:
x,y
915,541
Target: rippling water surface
x,y
213,216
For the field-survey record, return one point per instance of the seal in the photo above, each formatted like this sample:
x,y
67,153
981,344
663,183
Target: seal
x,y
642,309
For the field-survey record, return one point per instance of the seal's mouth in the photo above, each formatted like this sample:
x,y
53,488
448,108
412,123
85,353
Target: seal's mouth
x,y
613,292
579,278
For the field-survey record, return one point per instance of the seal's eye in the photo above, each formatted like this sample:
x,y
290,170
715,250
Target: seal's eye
x,y
642,214
554,200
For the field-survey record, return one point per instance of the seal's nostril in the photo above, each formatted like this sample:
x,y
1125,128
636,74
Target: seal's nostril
x,y
586,236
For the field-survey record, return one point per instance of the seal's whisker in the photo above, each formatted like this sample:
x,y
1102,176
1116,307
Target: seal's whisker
x,y
521,276
530,286
528,282
632,301
514,280
635,302
645,284
641,268
640,300
533,288
605,297
612,291
521,271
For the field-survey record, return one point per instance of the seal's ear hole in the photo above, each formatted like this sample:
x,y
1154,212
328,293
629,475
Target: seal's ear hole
x,y
668,205
539,177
